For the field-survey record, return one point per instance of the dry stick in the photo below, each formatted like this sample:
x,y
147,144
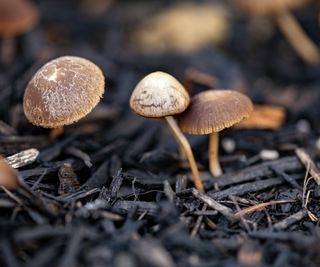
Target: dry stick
x,y
286,177
214,164
259,206
255,172
183,142
309,164
291,220
198,222
227,212
254,186
22,158
297,38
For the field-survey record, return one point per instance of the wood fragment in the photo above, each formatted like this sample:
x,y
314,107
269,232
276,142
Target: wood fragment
x,y
6,129
68,179
80,154
286,177
309,164
99,178
227,212
264,117
198,222
254,172
294,218
22,158
242,189
125,206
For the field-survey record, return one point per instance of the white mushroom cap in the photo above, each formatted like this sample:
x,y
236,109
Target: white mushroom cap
x,y
158,95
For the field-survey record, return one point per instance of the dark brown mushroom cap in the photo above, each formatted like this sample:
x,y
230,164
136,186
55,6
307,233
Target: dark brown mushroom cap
x,y
17,16
214,110
269,7
63,91
158,95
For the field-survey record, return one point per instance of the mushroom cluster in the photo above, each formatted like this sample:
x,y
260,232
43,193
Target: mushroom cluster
x,y
67,88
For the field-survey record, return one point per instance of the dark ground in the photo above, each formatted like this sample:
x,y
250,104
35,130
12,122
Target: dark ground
x,y
136,205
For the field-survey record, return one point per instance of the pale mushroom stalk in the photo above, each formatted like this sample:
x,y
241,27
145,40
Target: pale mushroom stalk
x,y
184,144
297,38
214,164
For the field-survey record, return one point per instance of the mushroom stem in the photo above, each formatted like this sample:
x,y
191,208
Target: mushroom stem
x,y
7,50
214,164
184,144
56,132
297,38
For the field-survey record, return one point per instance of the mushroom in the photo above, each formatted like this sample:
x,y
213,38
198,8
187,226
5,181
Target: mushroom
x,y
209,113
16,17
280,10
63,91
160,95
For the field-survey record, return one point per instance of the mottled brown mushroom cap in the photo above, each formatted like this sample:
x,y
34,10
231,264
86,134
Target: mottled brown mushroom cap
x,y
269,7
17,16
63,91
158,95
214,110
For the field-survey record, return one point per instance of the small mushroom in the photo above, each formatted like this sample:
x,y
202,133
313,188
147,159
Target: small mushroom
x,y
16,17
280,11
212,111
160,95
63,91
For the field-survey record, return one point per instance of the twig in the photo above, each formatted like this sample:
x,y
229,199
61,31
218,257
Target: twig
x,y
286,177
307,161
255,172
254,186
291,220
227,212
198,222
260,206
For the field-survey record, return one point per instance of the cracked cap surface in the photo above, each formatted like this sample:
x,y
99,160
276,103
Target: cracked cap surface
x,y
63,91
158,95
213,110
